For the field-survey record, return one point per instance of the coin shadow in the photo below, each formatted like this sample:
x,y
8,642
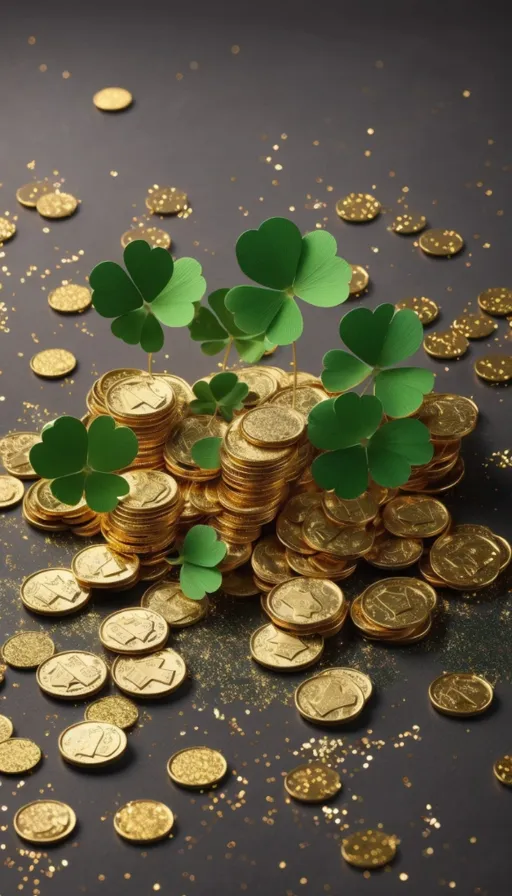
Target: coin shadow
x,y
116,767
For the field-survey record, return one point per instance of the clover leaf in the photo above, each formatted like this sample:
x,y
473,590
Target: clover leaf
x,y
215,329
155,291
200,555
285,265
206,452
223,394
356,446
379,339
81,461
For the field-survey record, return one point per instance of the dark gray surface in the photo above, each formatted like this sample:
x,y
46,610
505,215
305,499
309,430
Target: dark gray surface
x,y
317,72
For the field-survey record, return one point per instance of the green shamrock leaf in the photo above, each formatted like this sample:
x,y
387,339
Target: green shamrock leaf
x,y
206,452
156,290
215,327
81,461
200,555
224,394
285,265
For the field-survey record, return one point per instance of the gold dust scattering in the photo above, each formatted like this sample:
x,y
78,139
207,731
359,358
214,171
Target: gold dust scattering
x,y
143,821
18,756
461,694
44,821
312,782
441,242
503,770
28,194
155,236
474,325
446,344
495,368
197,767
70,299
358,207
368,849
27,650
6,729
56,205
114,709
409,222
53,363
496,301
112,99
7,229
166,200
426,309
11,491
359,281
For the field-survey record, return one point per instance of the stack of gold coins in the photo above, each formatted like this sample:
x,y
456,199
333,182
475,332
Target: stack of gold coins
x,y
177,451
200,503
147,404
406,527
145,522
44,511
467,558
306,606
96,395
269,564
395,610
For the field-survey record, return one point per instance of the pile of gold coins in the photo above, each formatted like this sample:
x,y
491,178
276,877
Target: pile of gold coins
x,y
44,511
395,610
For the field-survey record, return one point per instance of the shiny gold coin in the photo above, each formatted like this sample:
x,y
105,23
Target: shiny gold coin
x,y
321,534
179,611
44,822
112,99
7,229
56,205
240,583
465,560
139,396
166,200
14,452
360,280
273,426
53,363
328,699
27,650
189,431
362,680
278,650
116,710
72,675
441,242
415,516
114,376
53,592
426,309
447,344
262,383
143,821
307,397
461,694
475,326
92,743
70,299
448,416
368,849
28,194
408,222
313,782
496,301
305,604
502,768
98,566
155,236
358,207
357,512
18,756
495,368
156,675
197,767
398,603
134,631
269,560
6,728
391,553
11,491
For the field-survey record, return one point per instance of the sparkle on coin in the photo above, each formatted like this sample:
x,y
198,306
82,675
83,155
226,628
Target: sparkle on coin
x,y
11,491
7,229
143,821
461,694
446,344
112,99
425,308
70,299
474,325
197,767
116,710
18,756
6,729
44,821
92,743
56,205
495,368
155,236
53,363
441,242
368,849
312,782
408,222
166,200
28,194
358,207
503,770
27,650
359,281
496,301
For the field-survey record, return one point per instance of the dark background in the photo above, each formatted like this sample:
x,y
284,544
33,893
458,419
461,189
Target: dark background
x,y
323,72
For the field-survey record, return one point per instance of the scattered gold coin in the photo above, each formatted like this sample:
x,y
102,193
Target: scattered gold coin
x,y
358,207
362,680
390,552
116,710
474,325
57,205
134,631
156,675
11,491
368,849
14,452
27,650
465,560
441,242
28,194
166,200
503,770
179,611
446,344
112,99
53,592
496,301
92,743
426,309
415,516
98,566
155,236
495,368
359,281
72,675
448,416
53,363
279,650
313,782
143,821
409,222
329,699
197,767
44,821
18,756
461,694
70,299
7,229
6,729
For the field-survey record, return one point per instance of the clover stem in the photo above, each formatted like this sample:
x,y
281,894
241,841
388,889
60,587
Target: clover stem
x,y
369,383
150,363
226,354
211,421
294,359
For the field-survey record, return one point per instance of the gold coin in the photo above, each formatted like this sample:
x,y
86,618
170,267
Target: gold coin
x,y
155,236
446,344
14,451
357,512
7,229
503,770
359,281
44,821
70,299
166,200
398,603
53,363
156,675
143,821
497,301
98,566
329,699
426,309
358,207
72,675
112,99
306,398
362,680
269,560
474,325
56,205
305,603
182,390
116,710
465,560
149,490
28,194
139,396
179,611
262,383
408,222
197,767
415,516
53,592
92,743
323,535
6,728
441,242
240,583
461,694
495,368
313,782
18,756
389,552
448,416
187,433
11,491
27,650
368,849
273,426
134,631
275,649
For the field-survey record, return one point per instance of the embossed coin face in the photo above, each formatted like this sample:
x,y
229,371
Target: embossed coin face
x,y
112,99
358,207
134,631
446,344
179,611
53,592
44,821
28,194
398,603
415,515
14,451
357,512
389,552
98,566
197,767
359,281
465,560
139,396
496,301
306,398
329,699
72,675
494,368
323,535
448,416
116,710
56,205
503,770
289,522
273,426
149,490
262,384
305,602
92,743
155,236
189,431
441,242
275,649
70,299
269,560
11,491
150,676
6,729
27,650
461,694
361,678
313,782
143,821
409,222
425,308
53,363
475,326
19,755
368,849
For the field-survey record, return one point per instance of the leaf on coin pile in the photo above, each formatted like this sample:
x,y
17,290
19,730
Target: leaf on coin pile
x,y
286,265
379,339
200,555
223,394
155,291
206,452
83,461
356,446
215,327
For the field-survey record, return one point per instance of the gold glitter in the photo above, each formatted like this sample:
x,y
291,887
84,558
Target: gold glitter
x,y
44,821
18,755
26,650
166,200
426,309
495,368
155,236
197,767
56,205
441,242
70,299
52,363
359,281
7,229
358,207
143,821
313,782
115,710
496,301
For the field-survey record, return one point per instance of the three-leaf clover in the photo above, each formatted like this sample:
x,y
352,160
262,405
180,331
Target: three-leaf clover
x,y
155,291
201,553
82,461
215,328
223,394
285,264
379,339
356,446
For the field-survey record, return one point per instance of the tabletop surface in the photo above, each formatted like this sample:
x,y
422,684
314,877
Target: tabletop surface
x,y
261,110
